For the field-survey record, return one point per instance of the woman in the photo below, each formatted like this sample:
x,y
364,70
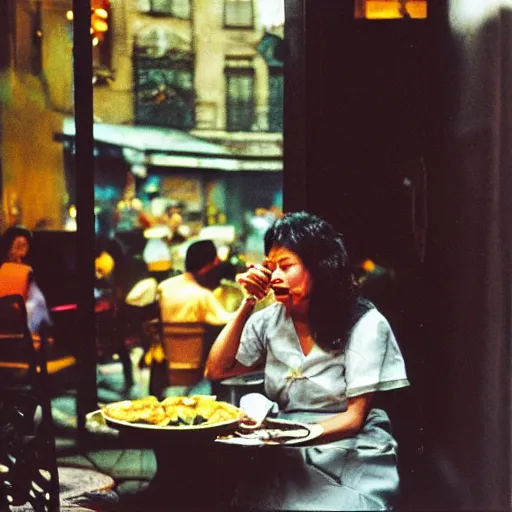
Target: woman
x,y
16,276
326,352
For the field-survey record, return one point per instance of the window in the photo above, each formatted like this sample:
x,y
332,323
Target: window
x,y
164,92
390,9
238,14
275,99
240,98
176,8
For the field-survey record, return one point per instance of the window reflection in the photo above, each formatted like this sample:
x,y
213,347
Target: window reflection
x,y
188,98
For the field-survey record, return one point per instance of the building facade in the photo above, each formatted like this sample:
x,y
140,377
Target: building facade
x,y
210,70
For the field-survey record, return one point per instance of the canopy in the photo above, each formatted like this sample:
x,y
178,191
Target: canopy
x,y
167,147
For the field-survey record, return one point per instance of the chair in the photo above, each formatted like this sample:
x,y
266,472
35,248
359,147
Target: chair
x,y
179,350
19,361
27,442
183,345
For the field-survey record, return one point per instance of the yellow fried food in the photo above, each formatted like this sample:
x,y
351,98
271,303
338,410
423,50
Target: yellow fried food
x,y
145,410
174,411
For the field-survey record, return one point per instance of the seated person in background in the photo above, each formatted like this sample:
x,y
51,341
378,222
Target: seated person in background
x,y
183,299
16,276
157,254
173,219
326,352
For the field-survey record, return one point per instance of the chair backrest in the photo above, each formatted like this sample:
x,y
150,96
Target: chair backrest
x,y
27,444
27,456
183,344
18,358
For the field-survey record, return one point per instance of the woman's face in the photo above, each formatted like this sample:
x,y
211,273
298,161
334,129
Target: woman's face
x,y
18,250
290,280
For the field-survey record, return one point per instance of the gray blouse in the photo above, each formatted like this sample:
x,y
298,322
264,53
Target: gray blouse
x,y
321,381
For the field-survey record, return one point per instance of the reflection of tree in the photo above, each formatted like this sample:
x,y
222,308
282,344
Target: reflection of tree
x,y
168,84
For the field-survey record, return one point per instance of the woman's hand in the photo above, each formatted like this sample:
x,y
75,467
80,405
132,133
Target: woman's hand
x,y
255,280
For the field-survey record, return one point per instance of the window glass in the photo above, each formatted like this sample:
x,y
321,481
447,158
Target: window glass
x,y
177,8
240,99
187,112
164,94
275,110
238,13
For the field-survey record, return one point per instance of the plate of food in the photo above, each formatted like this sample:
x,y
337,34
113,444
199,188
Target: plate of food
x,y
174,414
274,432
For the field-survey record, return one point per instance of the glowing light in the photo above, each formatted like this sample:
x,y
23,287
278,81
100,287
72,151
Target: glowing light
x,y
99,25
72,211
69,15
394,9
95,41
102,13
368,265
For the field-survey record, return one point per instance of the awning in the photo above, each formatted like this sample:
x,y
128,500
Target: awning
x,y
167,147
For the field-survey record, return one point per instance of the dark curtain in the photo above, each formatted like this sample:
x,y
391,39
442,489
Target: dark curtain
x,y
468,365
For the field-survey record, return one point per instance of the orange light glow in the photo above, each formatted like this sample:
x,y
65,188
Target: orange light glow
x,y
102,13
368,265
391,9
99,25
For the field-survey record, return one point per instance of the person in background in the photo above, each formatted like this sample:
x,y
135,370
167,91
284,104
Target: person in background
x,y
183,299
112,268
156,253
16,276
173,219
156,203
129,213
326,353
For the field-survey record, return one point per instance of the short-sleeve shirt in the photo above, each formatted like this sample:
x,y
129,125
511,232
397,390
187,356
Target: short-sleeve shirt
x,y
182,299
321,380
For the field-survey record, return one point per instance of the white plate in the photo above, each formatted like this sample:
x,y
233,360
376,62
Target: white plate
x,y
210,426
314,429
208,429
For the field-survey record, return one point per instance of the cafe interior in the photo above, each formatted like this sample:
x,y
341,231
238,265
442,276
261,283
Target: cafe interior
x,y
396,133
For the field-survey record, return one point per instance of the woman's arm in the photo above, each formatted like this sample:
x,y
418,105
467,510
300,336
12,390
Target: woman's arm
x,y
221,362
348,423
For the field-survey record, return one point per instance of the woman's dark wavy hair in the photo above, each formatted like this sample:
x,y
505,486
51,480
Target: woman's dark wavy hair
x,y
335,303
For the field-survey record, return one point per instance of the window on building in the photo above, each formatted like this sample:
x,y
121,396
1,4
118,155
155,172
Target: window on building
x,y
390,9
164,92
176,8
238,14
275,99
239,99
